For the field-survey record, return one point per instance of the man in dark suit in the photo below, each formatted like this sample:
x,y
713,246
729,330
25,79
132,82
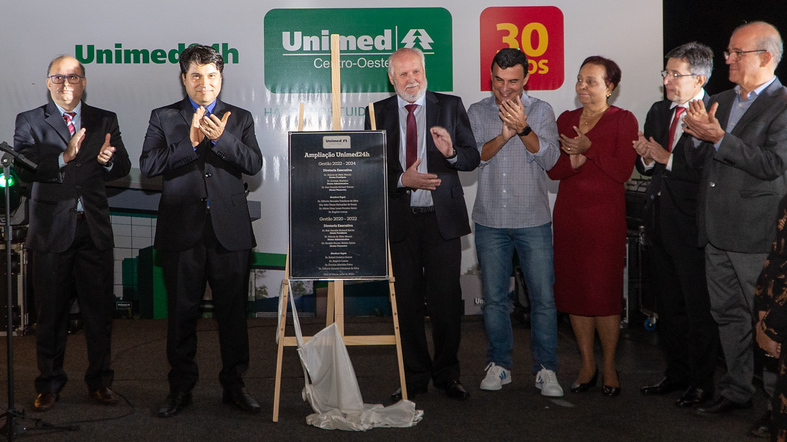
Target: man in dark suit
x,y
688,333
429,139
201,147
741,144
77,149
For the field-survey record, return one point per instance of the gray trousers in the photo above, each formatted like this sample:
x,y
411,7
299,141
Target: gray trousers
x,y
731,279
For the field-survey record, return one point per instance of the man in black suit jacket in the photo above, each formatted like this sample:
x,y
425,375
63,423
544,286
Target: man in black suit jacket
x,y
201,147
427,218
688,333
77,149
741,145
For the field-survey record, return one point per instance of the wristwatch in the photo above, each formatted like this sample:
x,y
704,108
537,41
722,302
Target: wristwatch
x,y
525,132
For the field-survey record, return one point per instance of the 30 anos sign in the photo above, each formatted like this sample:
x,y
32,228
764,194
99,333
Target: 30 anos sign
x,y
537,31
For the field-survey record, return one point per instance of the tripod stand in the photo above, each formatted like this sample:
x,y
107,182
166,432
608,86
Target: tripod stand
x,y
11,428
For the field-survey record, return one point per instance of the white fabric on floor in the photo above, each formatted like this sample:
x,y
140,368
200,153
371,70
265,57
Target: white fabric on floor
x,y
331,387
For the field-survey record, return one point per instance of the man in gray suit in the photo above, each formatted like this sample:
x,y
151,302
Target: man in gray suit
x,y
741,143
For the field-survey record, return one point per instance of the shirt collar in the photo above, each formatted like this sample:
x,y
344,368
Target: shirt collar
x,y
757,91
209,107
700,95
402,103
77,110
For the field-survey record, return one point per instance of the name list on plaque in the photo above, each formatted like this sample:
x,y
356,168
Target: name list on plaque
x,y
338,214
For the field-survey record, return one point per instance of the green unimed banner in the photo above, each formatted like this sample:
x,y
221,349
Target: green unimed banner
x,y
298,47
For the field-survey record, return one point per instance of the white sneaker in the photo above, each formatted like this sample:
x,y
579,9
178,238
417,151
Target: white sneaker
x,y
546,381
496,377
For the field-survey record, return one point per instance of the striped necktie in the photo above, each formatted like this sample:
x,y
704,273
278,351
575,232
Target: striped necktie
x,y
69,117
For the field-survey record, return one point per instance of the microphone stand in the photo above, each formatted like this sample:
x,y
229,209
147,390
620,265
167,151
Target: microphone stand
x,y
10,426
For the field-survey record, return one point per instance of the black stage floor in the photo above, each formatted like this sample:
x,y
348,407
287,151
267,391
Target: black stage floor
x,y
516,413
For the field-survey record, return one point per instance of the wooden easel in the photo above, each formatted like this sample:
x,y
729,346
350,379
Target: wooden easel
x,y
335,307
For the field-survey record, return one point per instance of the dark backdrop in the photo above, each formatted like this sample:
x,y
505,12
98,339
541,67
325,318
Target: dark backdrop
x,y
712,23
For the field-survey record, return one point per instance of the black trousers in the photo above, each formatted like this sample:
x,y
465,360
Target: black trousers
x,y
185,275
688,332
426,269
54,275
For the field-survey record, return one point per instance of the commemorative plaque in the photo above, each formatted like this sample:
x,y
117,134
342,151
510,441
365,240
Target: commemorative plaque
x,y
338,205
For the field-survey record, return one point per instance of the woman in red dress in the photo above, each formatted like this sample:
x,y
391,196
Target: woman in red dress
x,y
590,217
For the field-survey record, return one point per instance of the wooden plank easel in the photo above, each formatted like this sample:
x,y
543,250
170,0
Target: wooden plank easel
x,y
335,307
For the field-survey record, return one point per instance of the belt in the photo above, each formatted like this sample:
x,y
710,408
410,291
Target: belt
x,y
80,216
422,209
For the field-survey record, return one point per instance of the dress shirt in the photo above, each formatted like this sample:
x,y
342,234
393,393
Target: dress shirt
x,y
512,185
678,131
418,197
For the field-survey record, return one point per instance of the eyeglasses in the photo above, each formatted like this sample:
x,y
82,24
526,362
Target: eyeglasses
x,y
60,79
665,74
736,54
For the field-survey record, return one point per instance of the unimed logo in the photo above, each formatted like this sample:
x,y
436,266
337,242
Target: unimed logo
x,y
298,47
87,54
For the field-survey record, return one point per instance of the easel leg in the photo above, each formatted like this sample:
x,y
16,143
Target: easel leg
x,y
280,351
395,315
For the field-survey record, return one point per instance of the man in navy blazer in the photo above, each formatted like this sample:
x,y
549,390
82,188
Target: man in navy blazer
x,y
202,147
688,333
77,149
741,145
427,218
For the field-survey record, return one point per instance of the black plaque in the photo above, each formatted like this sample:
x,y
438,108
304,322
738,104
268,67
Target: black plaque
x,y
338,205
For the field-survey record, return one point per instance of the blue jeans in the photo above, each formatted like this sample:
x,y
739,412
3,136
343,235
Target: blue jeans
x,y
495,250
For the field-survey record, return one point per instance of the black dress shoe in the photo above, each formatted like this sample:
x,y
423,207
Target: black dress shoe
x,y
579,388
45,401
411,393
240,397
693,396
724,405
104,396
664,386
454,389
762,428
176,401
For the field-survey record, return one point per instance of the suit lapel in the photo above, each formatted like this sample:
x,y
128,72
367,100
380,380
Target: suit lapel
x,y
432,117
391,126
56,121
186,110
725,101
762,102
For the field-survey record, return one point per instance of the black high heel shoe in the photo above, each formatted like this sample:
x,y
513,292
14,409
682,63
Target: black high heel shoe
x,y
579,388
611,391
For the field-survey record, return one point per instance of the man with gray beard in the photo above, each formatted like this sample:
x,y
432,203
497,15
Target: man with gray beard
x,y
429,140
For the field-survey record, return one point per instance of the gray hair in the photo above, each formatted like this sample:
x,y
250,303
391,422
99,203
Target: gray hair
x,y
697,55
402,51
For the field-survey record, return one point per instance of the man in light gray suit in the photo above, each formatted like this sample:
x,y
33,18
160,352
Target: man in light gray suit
x,y
741,143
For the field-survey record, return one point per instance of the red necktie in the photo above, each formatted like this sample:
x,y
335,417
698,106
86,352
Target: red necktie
x,y
69,116
412,136
674,126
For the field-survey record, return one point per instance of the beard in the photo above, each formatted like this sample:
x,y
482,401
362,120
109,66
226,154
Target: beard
x,y
412,98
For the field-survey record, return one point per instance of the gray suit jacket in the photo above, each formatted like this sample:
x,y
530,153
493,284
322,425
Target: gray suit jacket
x,y
743,182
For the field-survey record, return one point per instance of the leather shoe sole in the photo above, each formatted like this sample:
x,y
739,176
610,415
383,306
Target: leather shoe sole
x,y
104,396
176,402
692,397
455,390
241,399
45,401
664,386
724,405
762,428
412,392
